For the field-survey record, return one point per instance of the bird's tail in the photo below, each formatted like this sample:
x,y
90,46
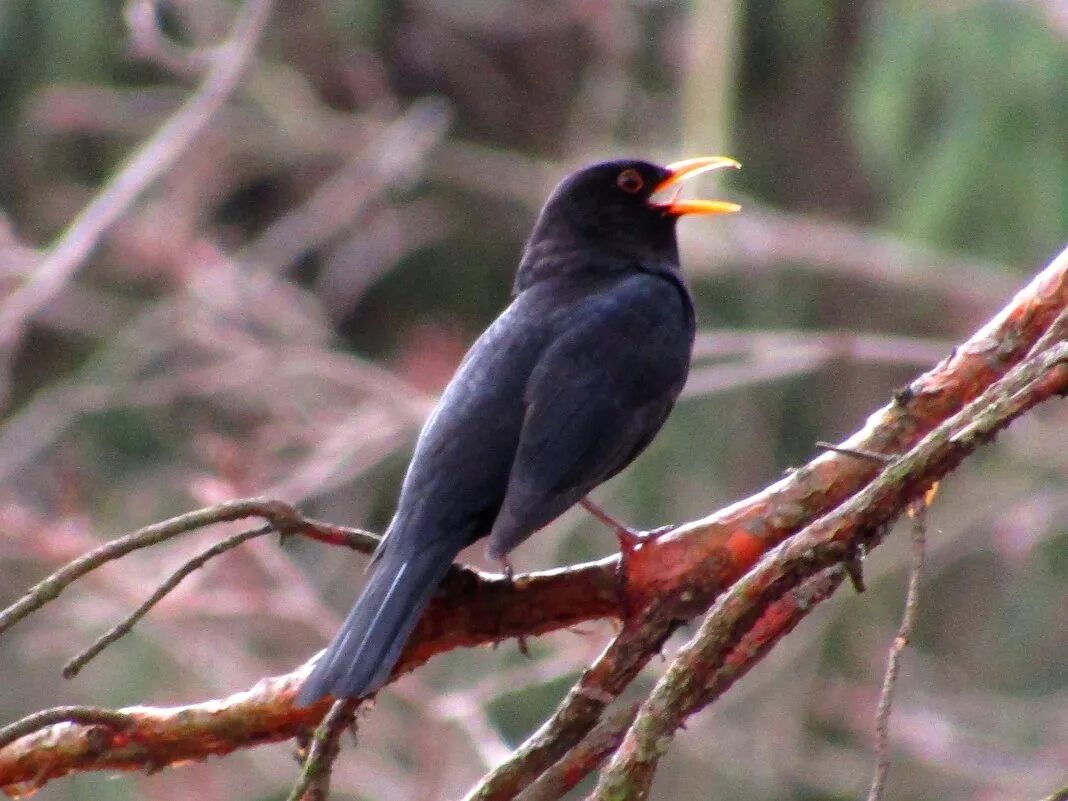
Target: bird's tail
x,y
371,639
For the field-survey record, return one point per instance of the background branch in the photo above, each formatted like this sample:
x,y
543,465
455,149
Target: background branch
x,y
142,169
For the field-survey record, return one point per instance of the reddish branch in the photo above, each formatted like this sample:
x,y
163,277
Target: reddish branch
x,y
139,172
862,521
675,578
780,619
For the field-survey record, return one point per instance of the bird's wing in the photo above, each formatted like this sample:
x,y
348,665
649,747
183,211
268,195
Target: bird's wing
x,y
597,397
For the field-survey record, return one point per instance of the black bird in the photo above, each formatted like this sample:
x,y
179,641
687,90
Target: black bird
x,y
560,393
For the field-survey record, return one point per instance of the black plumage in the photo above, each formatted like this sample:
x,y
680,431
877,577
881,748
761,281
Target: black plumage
x,y
559,394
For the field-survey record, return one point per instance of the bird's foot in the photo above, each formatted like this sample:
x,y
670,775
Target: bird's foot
x,y
630,541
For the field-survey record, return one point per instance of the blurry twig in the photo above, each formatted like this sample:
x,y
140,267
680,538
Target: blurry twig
x,y
283,518
313,783
397,153
842,345
918,511
764,238
123,627
138,173
238,364
607,86
709,78
147,41
774,356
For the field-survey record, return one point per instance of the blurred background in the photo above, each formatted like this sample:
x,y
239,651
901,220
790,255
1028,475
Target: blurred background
x,y
277,313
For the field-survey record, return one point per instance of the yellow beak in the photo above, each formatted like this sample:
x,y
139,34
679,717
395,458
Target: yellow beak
x,y
688,168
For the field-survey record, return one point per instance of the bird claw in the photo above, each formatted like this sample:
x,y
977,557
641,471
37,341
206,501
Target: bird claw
x,y
630,542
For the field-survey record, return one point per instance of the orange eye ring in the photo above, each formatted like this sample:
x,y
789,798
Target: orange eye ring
x,y
630,181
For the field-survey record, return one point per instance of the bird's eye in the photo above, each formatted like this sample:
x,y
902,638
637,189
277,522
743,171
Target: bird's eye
x,y
630,181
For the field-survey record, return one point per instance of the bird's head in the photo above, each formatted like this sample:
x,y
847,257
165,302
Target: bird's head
x,y
624,208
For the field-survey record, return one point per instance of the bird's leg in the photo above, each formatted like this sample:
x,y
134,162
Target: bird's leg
x,y
629,540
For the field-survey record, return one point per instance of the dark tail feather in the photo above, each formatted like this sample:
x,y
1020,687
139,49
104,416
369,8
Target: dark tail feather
x,y
371,639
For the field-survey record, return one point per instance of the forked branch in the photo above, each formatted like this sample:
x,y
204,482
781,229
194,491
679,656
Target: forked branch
x,y
833,505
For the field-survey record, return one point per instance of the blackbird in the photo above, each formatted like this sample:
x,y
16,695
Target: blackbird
x,y
560,393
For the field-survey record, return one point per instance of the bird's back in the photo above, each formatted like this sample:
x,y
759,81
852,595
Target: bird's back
x,y
565,388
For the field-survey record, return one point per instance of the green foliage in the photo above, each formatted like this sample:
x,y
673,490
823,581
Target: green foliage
x,y
517,714
122,438
962,118
352,21
54,40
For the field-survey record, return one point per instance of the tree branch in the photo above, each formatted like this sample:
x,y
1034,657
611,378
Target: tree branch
x,y
861,522
833,499
781,618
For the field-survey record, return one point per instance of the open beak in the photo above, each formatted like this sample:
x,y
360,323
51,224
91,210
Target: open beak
x,y
680,171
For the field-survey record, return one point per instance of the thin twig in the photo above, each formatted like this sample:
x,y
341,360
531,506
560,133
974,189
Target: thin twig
x,y
355,539
860,453
399,152
577,713
139,172
313,784
282,516
123,627
918,510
